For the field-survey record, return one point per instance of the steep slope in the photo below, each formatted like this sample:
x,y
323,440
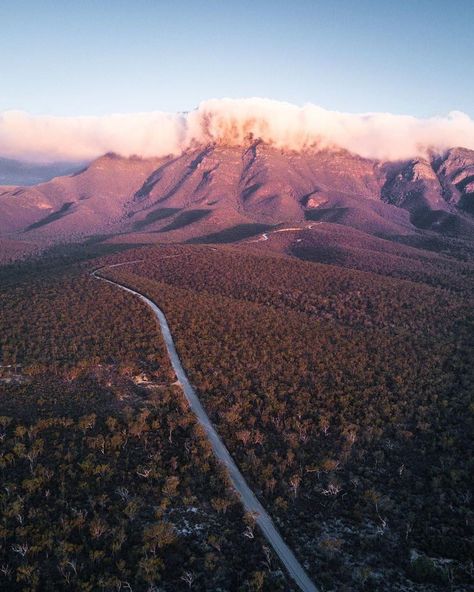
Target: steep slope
x,y
84,203
258,184
219,189
413,186
456,174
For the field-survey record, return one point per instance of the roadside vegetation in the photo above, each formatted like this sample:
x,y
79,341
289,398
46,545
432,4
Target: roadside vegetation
x,y
346,398
107,481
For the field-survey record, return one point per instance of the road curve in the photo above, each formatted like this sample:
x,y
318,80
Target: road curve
x,y
264,236
246,495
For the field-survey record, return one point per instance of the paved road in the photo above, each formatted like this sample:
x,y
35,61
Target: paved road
x,y
246,495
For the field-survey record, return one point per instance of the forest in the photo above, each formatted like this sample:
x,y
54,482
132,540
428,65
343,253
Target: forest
x,y
345,396
107,480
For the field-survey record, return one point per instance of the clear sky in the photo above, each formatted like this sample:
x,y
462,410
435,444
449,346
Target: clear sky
x,y
92,57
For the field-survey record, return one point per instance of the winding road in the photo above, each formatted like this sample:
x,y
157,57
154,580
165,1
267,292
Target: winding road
x,y
246,495
264,236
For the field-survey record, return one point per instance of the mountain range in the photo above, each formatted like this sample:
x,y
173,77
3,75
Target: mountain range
x,y
223,193
18,172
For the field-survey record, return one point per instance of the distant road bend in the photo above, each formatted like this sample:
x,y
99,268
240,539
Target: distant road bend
x,y
264,236
246,495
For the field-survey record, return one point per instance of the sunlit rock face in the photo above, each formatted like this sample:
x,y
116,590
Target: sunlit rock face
x,y
456,174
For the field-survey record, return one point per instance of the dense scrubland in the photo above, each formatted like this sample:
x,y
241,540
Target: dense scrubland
x,y
68,321
344,395
449,266
107,481
346,398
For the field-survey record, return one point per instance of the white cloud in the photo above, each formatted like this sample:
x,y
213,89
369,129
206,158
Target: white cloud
x,y
373,135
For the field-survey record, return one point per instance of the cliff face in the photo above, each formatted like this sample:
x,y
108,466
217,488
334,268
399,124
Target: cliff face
x,y
414,186
456,174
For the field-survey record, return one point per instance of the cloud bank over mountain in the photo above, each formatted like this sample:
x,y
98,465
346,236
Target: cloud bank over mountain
x,y
230,121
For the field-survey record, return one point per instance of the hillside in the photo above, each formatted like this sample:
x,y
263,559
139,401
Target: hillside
x,y
218,188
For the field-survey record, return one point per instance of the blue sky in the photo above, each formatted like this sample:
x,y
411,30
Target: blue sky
x,y
95,57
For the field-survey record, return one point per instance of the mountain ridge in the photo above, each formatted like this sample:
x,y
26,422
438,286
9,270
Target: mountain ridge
x,y
252,184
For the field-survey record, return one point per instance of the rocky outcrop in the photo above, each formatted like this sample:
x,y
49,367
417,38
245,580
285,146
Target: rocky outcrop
x,y
456,174
414,186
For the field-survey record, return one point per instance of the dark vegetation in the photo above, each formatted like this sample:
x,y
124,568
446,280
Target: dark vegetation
x,y
185,219
55,323
350,248
59,259
344,395
346,398
443,221
107,482
246,193
327,214
460,249
116,496
51,217
154,216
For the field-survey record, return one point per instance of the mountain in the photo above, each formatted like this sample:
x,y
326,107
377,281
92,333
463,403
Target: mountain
x,y
217,192
80,203
17,172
